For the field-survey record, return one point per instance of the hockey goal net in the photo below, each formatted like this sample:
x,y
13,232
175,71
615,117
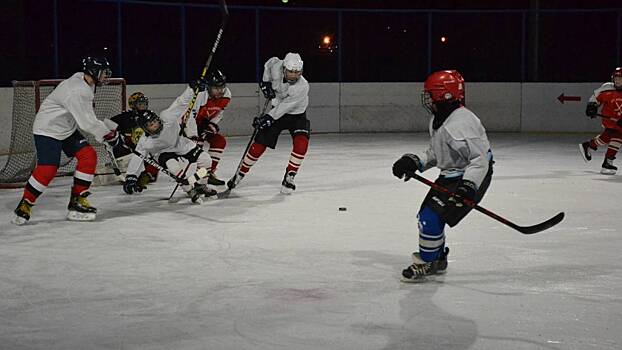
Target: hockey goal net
x,y
21,158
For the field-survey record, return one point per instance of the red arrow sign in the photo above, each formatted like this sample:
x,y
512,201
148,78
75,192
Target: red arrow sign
x,y
561,98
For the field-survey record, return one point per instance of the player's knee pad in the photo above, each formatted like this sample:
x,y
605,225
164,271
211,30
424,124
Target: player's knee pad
x,y
204,160
431,234
300,143
257,150
217,141
87,160
176,165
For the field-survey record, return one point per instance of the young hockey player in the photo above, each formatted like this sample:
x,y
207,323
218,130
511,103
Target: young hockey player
x,y
55,129
459,147
212,103
130,130
609,97
165,143
284,84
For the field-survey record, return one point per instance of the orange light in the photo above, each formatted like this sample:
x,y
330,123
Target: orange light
x,y
443,39
326,40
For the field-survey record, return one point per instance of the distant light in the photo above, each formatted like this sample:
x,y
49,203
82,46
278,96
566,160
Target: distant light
x,y
326,40
443,39
105,48
284,1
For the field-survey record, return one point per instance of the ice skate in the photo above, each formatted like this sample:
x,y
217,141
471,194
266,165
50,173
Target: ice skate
x,y
213,180
586,151
418,271
79,208
288,185
201,191
608,167
22,212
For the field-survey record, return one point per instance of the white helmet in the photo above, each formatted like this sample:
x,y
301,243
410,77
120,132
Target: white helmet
x,y
293,62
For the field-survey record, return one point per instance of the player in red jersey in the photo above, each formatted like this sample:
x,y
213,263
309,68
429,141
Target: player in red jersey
x,y
608,97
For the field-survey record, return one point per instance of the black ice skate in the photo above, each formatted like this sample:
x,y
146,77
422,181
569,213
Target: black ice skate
x,y
79,208
22,212
586,151
608,167
200,191
234,181
418,271
213,180
288,185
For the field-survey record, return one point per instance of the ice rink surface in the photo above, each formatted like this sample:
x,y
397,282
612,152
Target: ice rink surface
x,y
262,270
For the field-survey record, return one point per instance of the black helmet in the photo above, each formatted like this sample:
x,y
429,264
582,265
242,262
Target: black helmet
x,y
145,117
216,79
136,99
97,67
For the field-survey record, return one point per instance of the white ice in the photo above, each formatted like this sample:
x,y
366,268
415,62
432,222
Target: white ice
x,y
262,270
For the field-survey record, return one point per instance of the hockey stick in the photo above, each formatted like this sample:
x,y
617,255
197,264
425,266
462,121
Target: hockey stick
x,y
201,173
225,16
178,183
527,230
227,192
113,160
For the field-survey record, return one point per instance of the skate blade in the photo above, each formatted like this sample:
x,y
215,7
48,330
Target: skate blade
x,y
607,172
583,153
286,190
414,281
19,221
77,216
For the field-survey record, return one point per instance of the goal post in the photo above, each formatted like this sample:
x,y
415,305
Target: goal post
x,y
17,165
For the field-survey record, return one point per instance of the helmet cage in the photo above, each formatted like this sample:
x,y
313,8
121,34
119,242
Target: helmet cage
x,y
138,101
145,119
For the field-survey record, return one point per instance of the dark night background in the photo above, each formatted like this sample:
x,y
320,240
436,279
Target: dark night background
x,y
168,42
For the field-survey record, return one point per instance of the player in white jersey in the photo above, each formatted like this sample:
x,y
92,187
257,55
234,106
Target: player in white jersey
x,y
284,84
459,147
164,142
69,108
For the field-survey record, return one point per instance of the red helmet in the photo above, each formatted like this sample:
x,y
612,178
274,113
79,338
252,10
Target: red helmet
x,y
441,86
617,73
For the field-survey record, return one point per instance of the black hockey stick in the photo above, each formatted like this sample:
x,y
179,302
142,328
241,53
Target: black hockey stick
x,y
180,180
527,230
225,16
113,159
227,192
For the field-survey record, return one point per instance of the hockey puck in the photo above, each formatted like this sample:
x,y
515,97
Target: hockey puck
x,y
343,208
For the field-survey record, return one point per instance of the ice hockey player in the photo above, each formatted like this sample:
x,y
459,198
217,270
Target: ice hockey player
x,y
609,97
459,147
212,103
283,83
163,141
55,129
130,130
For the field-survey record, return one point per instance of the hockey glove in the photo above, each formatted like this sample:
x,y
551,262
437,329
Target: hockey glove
x,y
591,110
267,90
466,190
131,186
200,84
407,166
113,139
211,129
263,122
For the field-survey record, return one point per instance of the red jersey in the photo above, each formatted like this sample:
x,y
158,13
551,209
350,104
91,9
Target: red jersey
x,y
610,100
212,110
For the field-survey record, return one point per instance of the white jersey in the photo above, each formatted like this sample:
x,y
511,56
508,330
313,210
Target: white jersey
x,y
459,147
290,98
68,107
169,139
